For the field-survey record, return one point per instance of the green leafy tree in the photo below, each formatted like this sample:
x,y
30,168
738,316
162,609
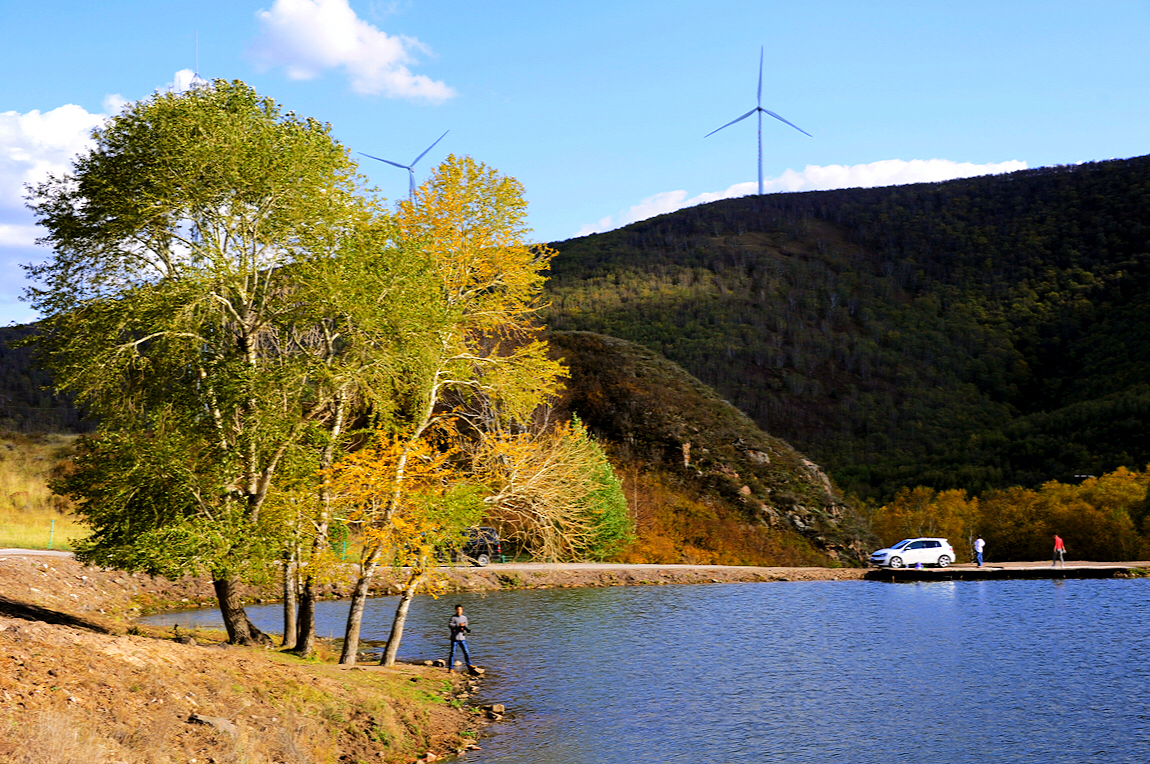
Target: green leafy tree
x,y
174,311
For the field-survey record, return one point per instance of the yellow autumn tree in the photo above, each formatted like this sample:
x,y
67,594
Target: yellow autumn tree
x,y
409,516
554,493
1098,518
1095,518
467,227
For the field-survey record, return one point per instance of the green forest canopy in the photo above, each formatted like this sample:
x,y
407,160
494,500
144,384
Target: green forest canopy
x,y
972,334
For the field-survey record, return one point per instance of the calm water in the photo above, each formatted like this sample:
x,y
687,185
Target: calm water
x,y
997,671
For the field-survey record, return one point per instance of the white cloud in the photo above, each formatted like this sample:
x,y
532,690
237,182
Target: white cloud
x,y
308,37
33,146
889,172
18,235
113,104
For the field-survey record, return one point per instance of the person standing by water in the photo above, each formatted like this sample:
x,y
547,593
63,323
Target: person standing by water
x,y
458,627
979,545
1059,551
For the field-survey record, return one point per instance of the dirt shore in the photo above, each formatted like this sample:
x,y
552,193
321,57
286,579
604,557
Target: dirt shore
x,y
568,575
80,683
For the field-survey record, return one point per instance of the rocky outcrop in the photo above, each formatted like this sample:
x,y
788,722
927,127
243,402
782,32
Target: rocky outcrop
x,y
656,416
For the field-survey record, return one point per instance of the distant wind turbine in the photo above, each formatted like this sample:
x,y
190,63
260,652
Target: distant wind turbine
x,y
761,111
409,167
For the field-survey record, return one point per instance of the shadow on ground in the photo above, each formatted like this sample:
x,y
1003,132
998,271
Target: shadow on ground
x,y
16,609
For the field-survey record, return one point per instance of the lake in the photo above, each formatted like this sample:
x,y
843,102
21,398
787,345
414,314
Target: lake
x,y
851,671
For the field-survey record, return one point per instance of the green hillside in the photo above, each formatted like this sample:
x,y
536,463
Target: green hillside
x,y
975,333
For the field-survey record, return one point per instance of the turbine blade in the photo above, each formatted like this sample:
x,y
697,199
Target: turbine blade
x,y
760,101
429,148
776,116
733,121
387,161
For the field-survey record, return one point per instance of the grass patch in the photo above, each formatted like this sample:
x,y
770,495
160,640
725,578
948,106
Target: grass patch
x,y
31,516
39,530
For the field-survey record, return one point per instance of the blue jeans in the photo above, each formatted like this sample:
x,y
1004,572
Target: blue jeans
x,y
980,559
451,656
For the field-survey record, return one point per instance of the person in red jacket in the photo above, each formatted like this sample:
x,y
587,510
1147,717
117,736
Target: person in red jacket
x,y
1059,551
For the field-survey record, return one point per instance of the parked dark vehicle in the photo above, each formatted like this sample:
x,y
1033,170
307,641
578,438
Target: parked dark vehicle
x,y
481,545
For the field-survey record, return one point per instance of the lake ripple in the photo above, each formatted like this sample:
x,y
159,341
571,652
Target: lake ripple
x,y
854,671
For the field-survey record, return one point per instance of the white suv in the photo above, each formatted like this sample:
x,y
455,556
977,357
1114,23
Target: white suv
x,y
927,551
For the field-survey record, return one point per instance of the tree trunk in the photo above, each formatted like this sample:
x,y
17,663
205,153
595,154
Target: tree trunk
x,y
401,618
355,611
305,639
305,634
290,600
241,631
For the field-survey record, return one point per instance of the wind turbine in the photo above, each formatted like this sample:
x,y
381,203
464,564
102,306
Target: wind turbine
x,y
409,167
761,111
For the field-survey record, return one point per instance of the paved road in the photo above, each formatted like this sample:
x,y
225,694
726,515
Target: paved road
x,y
34,553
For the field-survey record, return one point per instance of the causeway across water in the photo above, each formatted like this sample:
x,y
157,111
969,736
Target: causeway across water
x,y
1013,570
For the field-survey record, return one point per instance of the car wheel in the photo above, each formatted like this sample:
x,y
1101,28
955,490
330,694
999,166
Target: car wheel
x,y
943,561
482,560
895,562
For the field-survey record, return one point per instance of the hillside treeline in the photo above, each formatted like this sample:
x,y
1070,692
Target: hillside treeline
x,y
972,334
27,401
1100,518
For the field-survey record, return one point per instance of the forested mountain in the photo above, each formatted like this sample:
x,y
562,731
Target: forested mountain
x,y
970,334
27,403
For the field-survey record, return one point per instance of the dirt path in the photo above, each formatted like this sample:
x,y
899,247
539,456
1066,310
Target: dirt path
x,y
567,575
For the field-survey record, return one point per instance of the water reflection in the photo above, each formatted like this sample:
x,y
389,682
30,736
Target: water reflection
x,y
1009,671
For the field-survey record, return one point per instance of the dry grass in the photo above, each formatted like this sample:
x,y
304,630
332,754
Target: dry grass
x,y
55,737
31,516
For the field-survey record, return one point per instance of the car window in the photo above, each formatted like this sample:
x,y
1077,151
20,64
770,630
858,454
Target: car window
x,y
915,545
932,545
901,544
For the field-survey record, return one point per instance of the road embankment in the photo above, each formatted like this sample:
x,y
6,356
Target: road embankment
x,y
573,575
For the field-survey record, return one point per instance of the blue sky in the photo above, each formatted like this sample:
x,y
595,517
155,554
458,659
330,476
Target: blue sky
x,y
600,107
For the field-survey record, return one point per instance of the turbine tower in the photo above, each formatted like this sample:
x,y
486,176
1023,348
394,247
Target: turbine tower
x,y
760,111
409,167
